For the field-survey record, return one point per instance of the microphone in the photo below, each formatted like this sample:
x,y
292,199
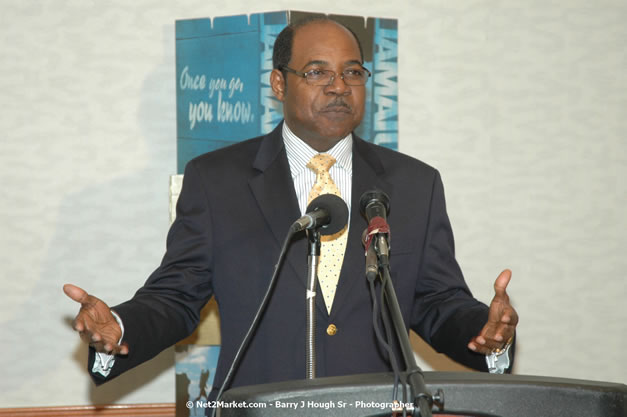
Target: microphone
x,y
327,212
373,204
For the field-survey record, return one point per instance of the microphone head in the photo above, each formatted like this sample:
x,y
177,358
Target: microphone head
x,y
375,200
336,209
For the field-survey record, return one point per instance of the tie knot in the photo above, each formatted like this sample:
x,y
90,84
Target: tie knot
x,y
321,162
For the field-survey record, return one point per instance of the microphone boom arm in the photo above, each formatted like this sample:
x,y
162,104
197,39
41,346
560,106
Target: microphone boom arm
x,y
313,237
422,398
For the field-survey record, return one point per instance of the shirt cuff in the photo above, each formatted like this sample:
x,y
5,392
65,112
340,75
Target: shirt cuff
x,y
103,362
499,363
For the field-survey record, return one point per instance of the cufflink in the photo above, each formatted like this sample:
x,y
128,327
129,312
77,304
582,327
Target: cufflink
x,y
499,361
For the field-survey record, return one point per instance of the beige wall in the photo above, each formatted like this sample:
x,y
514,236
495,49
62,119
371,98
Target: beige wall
x,y
521,105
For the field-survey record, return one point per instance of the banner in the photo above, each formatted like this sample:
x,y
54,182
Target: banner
x,y
223,67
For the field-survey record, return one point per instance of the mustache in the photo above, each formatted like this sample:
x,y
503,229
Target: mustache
x,y
338,102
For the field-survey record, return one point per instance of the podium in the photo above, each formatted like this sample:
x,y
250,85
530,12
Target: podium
x,y
467,394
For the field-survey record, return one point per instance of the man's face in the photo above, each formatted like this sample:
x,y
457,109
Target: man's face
x,y
321,115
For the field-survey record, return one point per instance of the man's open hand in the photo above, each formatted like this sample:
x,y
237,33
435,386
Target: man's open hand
x,y
95,323
502,320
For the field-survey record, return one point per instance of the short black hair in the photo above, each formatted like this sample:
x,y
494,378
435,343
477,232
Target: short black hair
x,y
282,50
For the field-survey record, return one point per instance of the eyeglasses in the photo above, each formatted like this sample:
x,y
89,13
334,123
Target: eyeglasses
x,y
319,77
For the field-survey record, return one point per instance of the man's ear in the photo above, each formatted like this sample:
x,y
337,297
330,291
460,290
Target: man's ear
x,y
277,82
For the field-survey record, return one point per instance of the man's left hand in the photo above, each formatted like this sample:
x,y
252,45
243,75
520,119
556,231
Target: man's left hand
x,y
502,320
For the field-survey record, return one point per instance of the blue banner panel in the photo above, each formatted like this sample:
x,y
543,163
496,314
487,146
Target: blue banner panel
x,y
385,84
217,83
223,67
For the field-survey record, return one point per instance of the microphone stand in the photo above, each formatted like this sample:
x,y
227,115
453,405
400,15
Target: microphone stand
x,y
313,236
422,398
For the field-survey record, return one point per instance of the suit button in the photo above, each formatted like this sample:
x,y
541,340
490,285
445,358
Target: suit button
x,y
331,330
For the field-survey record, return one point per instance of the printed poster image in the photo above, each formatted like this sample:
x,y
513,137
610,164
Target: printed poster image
x,y
195,367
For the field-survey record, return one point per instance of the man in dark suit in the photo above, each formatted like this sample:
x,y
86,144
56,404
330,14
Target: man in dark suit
x,y
235,209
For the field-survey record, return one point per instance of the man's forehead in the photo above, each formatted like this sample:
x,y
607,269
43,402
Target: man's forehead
x,y
318,38
319,29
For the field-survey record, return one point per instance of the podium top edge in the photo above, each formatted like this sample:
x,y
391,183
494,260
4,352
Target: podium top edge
x,y
431,379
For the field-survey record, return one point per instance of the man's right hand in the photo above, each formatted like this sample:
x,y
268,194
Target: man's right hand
x,y
95,323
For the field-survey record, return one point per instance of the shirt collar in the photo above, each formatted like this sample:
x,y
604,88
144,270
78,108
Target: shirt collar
x,y
299,153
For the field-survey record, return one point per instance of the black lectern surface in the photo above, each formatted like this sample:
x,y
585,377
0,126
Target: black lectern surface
x,y
469,394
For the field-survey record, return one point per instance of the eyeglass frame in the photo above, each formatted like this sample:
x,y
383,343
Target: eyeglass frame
x,y
335,74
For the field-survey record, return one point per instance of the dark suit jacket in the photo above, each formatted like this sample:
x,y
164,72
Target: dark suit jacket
x,y
233,213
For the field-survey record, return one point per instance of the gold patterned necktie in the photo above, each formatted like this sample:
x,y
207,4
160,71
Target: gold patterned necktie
x,y
332,247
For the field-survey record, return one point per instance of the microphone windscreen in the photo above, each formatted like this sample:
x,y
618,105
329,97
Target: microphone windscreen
x,y
336,209
374,203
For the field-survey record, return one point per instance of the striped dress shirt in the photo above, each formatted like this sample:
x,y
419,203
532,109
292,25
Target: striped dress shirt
x,y
299,154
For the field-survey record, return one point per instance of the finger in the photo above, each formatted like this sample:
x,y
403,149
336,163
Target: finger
x,y
479,344
481,349
511,315
85,336
117,349
503,333
100,347
80,322
75,293
510,318
473,346
78,325
478,347
111,348
100,343
500,285
486,346
84,319
492,336
489,330
483,341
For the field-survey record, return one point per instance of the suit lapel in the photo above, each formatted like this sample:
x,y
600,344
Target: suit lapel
x,y
274,191
367,175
